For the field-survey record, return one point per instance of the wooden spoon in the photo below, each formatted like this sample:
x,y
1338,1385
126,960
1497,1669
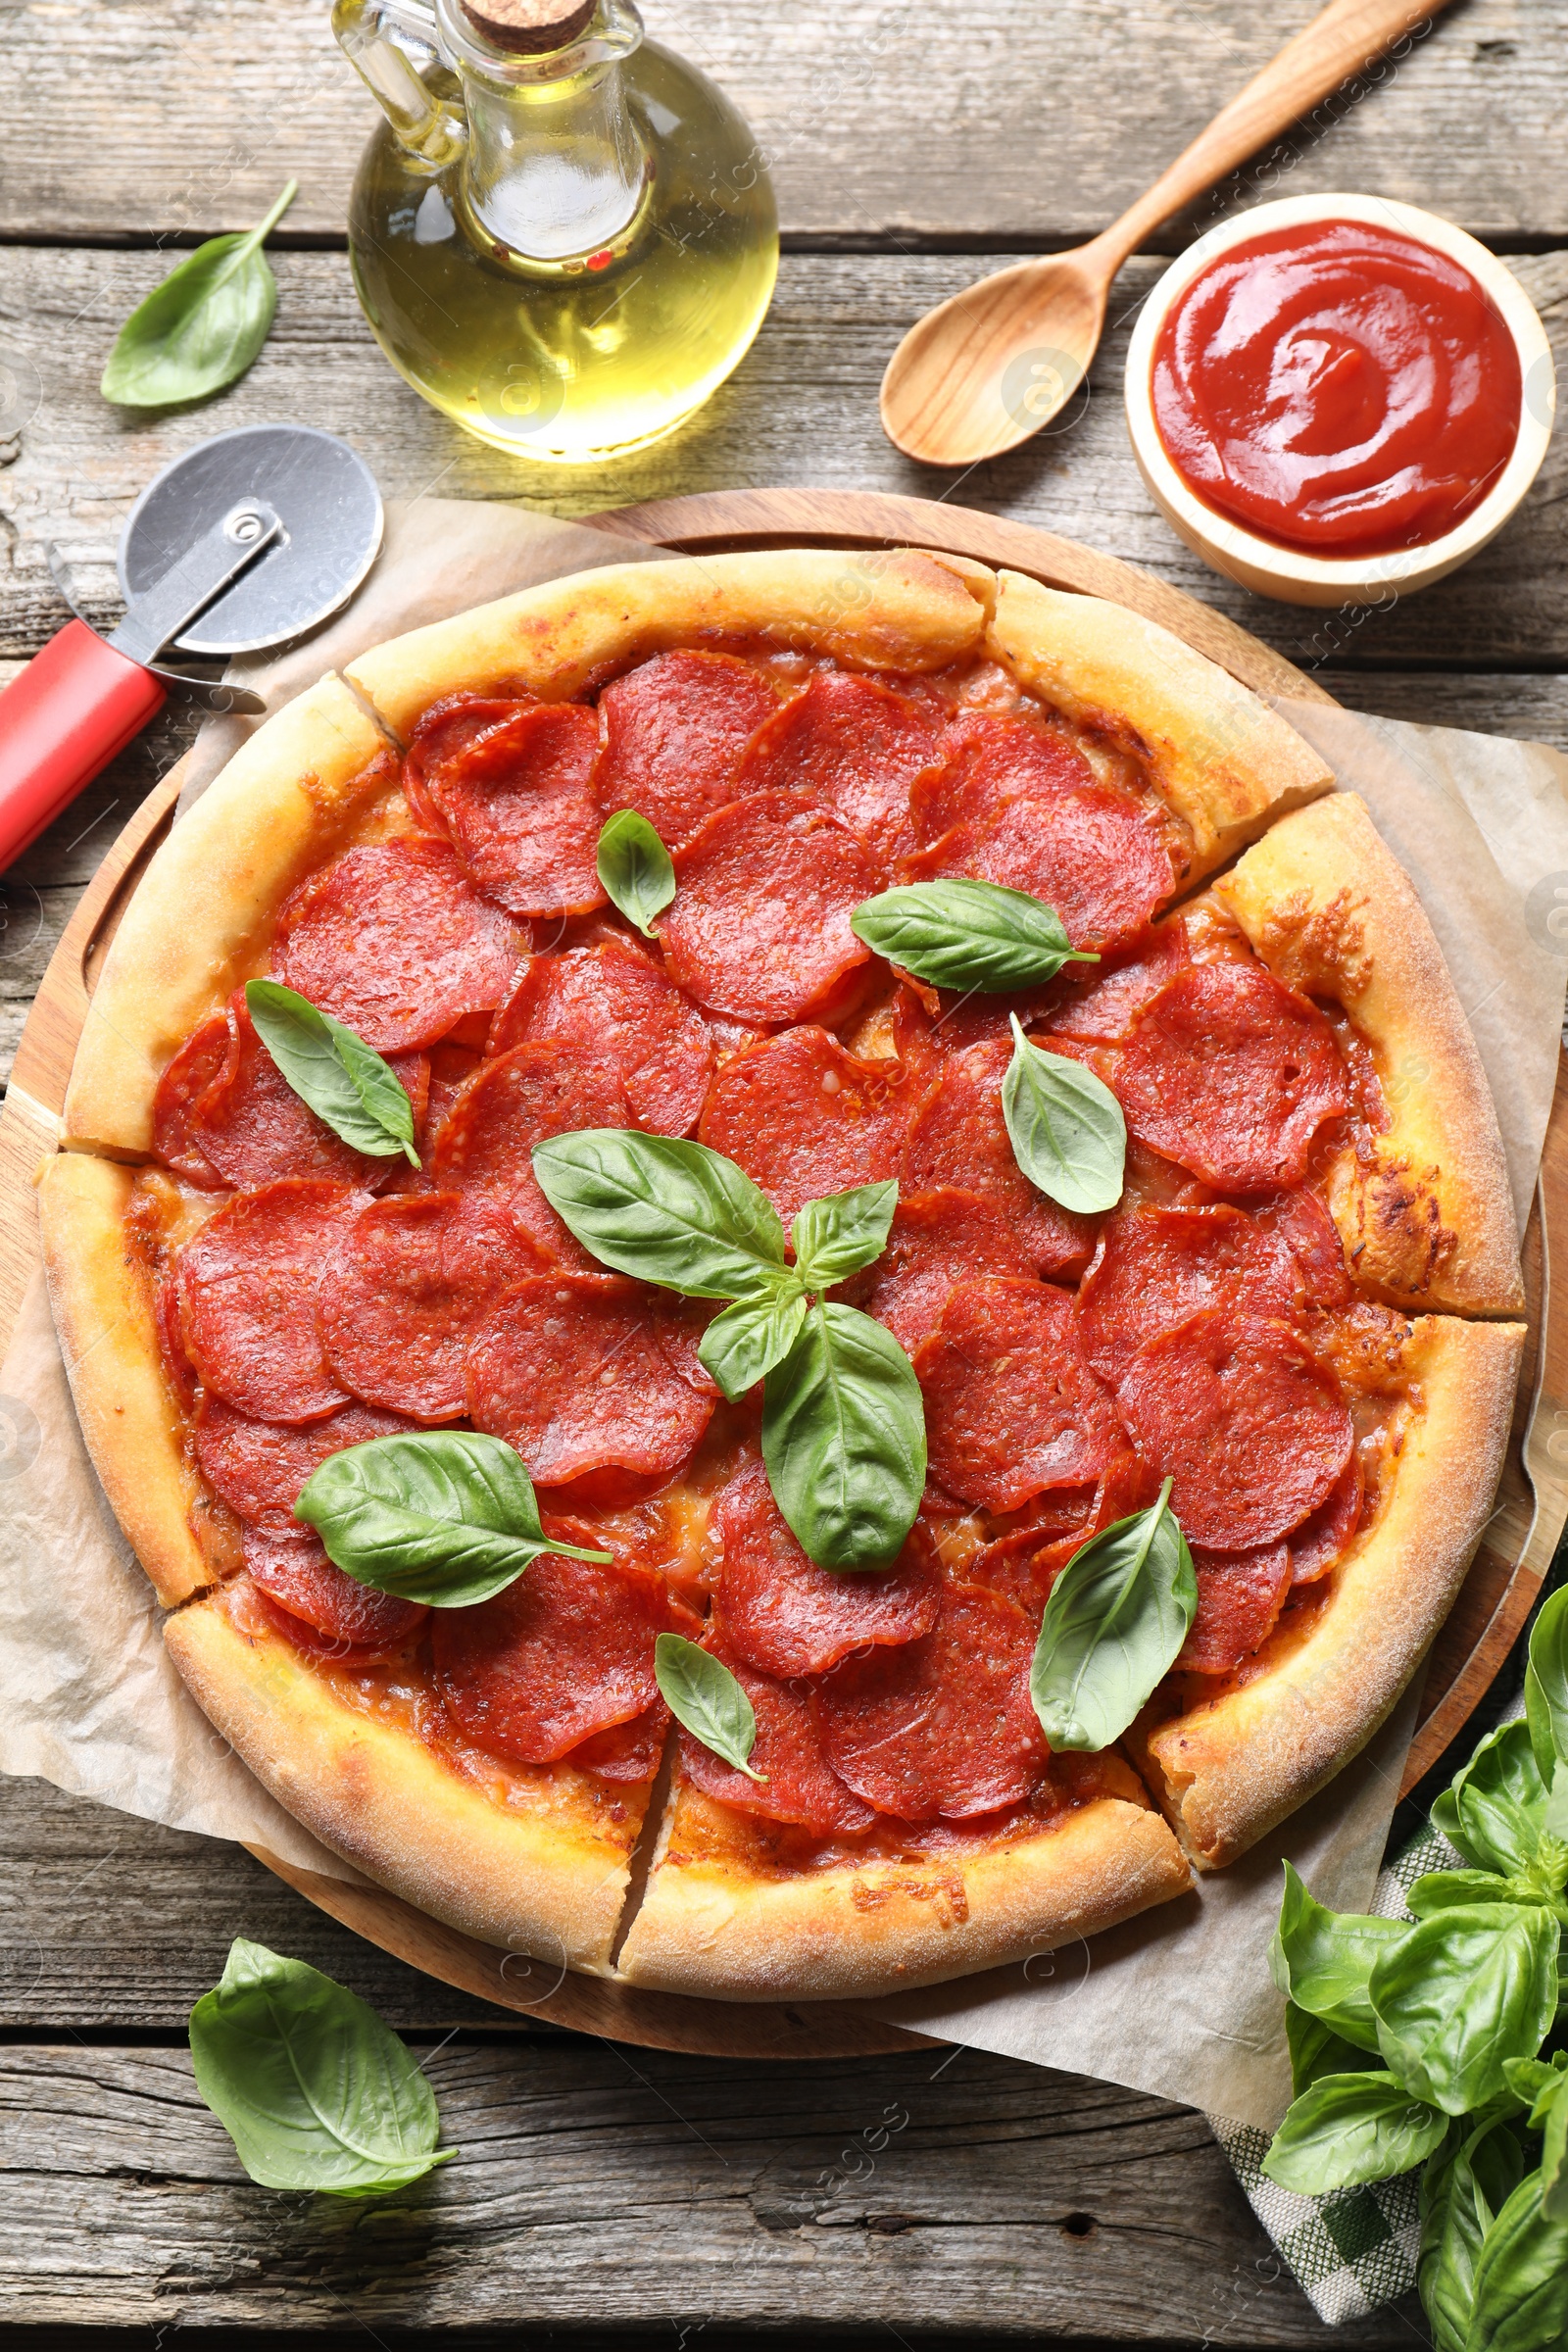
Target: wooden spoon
x,y
983,371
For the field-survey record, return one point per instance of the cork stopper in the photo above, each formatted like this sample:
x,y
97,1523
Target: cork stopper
x,y
529,26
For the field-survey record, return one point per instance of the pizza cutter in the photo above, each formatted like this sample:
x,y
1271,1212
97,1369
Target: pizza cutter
x,y
249,539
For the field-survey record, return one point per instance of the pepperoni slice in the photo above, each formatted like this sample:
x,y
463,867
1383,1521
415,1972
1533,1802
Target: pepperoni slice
x,y
799,1785
1156,1267
565,1653
627,1752
1096,1002
938,1240
1240,1595
803,1118
1318,1542
529,1094
959,1140
247,1298
1094,856
1026,1561
943,1727
989,762
412,1281
193,1069
854,747
516,800
1302,1220
253,1129
570,1369
759,928
315,1597
674,732
1232,1075
1010,1406
447,732
450,1068
258,1467
1239,1412
393,942
786,1616
612,1004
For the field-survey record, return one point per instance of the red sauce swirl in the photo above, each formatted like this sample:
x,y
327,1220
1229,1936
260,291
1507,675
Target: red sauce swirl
x,y
1339,388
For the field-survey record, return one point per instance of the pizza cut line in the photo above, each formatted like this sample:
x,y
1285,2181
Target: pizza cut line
x,y
1302,1311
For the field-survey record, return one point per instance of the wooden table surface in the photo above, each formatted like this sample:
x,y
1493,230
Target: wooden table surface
x,y
608,2196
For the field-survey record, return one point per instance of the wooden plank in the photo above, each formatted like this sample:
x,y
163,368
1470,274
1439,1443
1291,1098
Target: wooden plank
x,y
965,2194
800,411
879,120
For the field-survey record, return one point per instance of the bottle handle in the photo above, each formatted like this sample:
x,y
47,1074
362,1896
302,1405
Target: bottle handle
x,y
62,720
372,35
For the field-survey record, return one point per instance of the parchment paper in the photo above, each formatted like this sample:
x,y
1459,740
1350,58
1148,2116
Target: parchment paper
x,y
1178,2003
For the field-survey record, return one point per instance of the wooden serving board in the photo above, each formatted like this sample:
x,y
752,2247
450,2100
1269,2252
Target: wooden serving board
x,y
1533,1499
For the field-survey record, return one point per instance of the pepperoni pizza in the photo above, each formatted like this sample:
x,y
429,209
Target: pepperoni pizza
x,y
1298,1312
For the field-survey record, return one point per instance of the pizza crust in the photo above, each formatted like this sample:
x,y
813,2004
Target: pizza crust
x,y
544,1873
1429,1221
1231,1769
101,1293
719,1922
202,916
898,610
1221,758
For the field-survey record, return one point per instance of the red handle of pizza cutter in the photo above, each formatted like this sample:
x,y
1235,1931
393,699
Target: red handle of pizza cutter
x,y
74,705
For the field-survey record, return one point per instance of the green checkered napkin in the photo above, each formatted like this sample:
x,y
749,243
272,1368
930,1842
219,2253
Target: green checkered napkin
x,y
1356,2247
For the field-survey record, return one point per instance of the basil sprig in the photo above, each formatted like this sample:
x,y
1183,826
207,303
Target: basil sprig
x,y
203,327
843,1423
334,1072
963,934
446,1516
1068,1130
1461,2015
634,868
315,2091
1117,1616
702,1693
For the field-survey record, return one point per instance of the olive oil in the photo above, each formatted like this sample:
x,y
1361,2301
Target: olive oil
x,y
567,257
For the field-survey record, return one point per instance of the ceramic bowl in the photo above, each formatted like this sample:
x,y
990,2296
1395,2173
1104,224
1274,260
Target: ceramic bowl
x,y
1289,573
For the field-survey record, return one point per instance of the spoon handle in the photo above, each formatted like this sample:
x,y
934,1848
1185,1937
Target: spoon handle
x,y
1339,43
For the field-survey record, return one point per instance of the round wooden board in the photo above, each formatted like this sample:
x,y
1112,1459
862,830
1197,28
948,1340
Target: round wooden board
x,y
1533,1500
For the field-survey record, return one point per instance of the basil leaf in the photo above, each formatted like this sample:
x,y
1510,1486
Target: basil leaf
x,y
315,2091
1521,2294
446,1516
203,327
1444,1890
1350,2129
1069,1133
1464,2186
1463,1992
1547,1685
841,1234
1117,1615
635,869
967,935
1499,1802
336,1074
844,1438
666,1210
1317,2050
1321,1960
741,1345
701,1692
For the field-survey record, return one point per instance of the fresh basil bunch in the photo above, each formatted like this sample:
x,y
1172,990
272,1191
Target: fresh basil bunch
x,y
843,1422
446,1516
1444,2042
333,1071
315,2091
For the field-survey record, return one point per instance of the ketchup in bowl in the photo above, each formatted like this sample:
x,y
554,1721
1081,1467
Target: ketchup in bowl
x,y
1338,388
